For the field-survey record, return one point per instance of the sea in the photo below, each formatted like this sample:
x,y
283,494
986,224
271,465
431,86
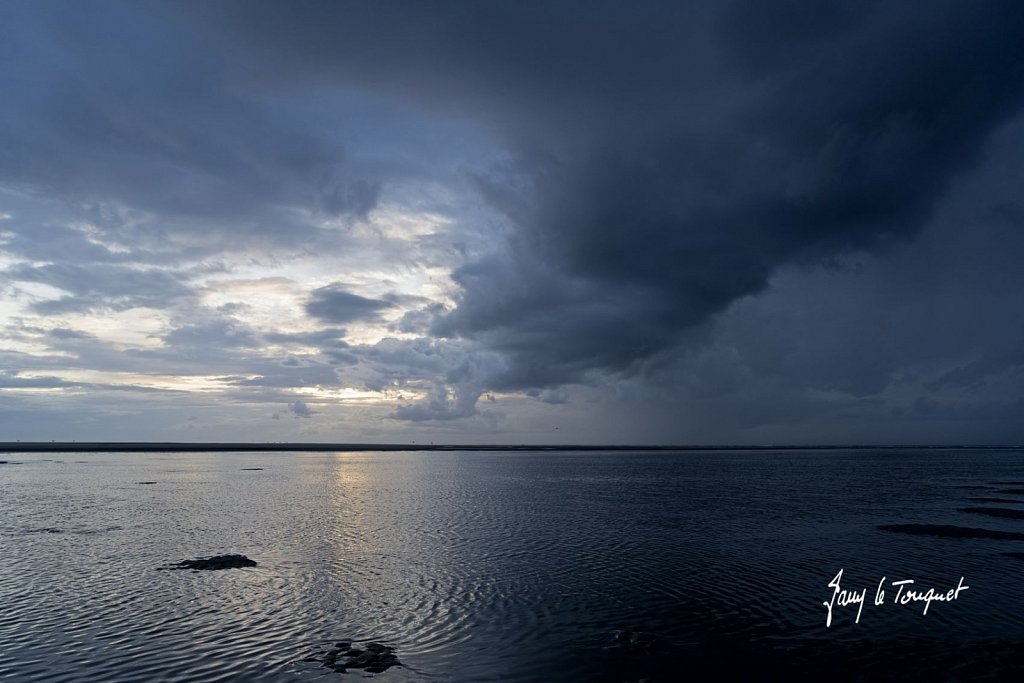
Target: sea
x,y
828,565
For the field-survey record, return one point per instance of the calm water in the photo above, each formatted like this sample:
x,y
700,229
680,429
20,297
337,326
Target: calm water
x,y
506,566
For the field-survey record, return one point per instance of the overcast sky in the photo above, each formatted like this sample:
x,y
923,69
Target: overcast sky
x,y
621,222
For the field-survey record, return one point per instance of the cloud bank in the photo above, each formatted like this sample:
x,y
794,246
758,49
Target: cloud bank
x,y
718,221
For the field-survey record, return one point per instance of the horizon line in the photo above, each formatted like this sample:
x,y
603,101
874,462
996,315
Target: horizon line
x,y
289,446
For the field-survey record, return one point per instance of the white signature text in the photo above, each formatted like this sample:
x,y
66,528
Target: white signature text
x,y
906,592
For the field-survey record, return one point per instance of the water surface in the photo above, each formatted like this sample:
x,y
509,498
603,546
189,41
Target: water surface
x,y
507,566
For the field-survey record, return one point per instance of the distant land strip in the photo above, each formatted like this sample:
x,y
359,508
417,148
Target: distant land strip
x,y
192,447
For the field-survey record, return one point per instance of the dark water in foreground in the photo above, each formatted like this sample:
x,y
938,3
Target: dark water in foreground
x,y
507,566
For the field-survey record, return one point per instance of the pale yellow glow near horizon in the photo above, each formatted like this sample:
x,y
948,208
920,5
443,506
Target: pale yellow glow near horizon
x,y
353,395
189,383
207,384
132,328
34,390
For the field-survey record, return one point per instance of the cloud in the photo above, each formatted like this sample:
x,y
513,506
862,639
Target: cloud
x,y
653,229
300,409
441,404
280,376
325,337
217,333
334,304
13,380
419,321
102,286
651,187
121,107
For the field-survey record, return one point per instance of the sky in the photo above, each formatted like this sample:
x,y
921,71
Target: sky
x,y
744,222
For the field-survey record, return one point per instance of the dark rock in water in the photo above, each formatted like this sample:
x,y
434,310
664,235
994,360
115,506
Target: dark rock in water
x,y
145,482
951,531
214,563
362,661
373,657
1018,555
1008,483
1005,513
1015,492
973,488
252,469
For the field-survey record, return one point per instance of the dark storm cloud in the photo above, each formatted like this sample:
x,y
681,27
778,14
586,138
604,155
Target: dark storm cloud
x,y
115,102
918,344
333,304
668,158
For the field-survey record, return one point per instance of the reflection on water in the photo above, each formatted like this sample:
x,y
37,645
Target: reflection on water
x,y
507,566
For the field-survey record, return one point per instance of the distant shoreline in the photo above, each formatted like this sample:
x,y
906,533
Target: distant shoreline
x,y
189,447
